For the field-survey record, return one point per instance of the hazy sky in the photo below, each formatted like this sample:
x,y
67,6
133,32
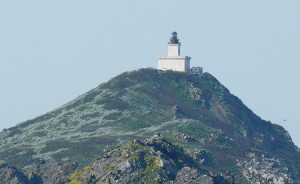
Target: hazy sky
x,y
53,51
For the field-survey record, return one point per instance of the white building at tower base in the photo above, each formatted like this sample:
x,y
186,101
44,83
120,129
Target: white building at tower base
x,y
174,61
180,64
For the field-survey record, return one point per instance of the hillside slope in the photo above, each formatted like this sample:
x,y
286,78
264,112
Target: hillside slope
x,y
193,111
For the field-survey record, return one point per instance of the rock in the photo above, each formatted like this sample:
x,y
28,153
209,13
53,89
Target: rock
x,y
11,175
189,175
195,93
259,167
49,171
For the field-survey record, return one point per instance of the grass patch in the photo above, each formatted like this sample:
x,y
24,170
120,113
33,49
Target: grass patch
x,y
74,177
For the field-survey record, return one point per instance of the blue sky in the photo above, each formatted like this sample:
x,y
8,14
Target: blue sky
x,y
53,51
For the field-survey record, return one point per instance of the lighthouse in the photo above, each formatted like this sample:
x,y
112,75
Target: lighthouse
x,y
174,61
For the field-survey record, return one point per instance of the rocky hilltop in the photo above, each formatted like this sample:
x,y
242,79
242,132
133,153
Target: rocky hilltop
x,y
214,133
154,160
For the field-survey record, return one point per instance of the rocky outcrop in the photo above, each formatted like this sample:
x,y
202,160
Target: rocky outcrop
x,y
11,175
189,175
49,172
264,169
154,160
40,172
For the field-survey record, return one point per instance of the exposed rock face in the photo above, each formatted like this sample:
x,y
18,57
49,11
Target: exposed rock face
x,y
260,168
195,93
195,112
49,172
40,172
154,160
11,175
189,175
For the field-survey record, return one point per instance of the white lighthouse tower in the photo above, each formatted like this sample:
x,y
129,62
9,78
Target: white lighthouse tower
x,y
174,61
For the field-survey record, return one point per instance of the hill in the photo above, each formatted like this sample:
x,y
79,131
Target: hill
x,y
194,112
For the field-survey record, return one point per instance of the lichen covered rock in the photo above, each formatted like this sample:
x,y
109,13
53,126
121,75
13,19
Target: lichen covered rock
x,y
154,160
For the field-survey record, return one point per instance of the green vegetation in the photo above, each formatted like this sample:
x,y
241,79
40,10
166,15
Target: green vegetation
x,y
197,130
152,163
193,111
75,182
73,178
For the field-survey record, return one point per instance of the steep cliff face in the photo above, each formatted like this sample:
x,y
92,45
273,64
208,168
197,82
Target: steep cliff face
x,y
195,112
